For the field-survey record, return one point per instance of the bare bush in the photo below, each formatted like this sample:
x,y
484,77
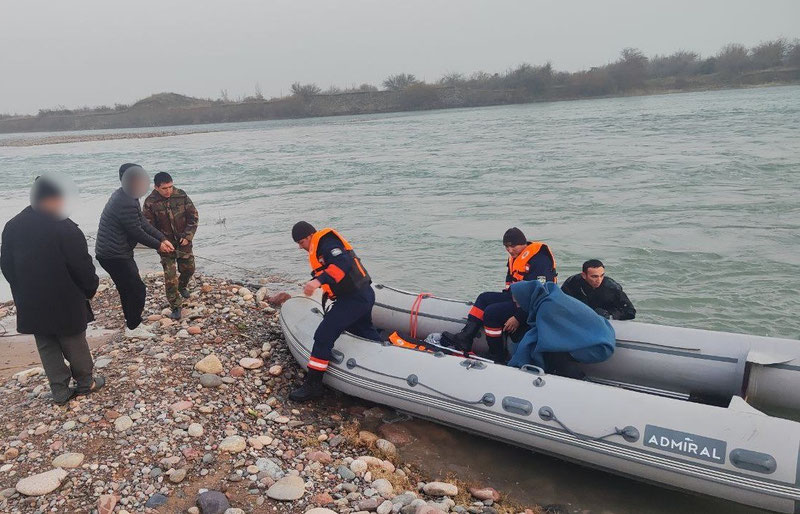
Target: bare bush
x,y
679,64
733,59
400,81
305,90
768,54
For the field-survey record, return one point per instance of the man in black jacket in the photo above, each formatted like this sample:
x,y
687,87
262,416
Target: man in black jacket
x,y
46,261
599,292
122,227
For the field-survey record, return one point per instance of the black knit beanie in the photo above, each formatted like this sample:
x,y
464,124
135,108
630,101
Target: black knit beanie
x,y
125,167
514,236
44,188
301,230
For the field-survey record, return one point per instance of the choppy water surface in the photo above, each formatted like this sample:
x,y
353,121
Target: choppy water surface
x,y
690,199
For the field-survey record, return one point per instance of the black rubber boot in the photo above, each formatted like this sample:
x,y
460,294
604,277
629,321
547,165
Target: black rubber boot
x,y
497,351
176,313
311,389
184,291
464,339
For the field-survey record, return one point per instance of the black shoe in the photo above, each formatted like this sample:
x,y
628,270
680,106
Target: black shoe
x,y
184,291
176,313
311,389
464,339
66,400
497,351
97,383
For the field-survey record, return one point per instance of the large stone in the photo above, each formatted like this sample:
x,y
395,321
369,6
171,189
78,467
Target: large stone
x,y
210,380
23,376
250,363
212,502
155,501
395,433
440,489
369,504
195,430
345,473
123,423
106,503
177,476
243,291
367,438
181,405
385,507
386,447
288,488
68,460
233,444
484,493
279,299
209,364
384,487
320,456
270,467
261,294
42,483
320,510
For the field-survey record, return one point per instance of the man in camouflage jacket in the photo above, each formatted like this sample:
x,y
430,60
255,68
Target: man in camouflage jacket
x,y
172,212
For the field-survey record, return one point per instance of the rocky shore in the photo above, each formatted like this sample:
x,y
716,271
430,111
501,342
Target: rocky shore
x,y
196,421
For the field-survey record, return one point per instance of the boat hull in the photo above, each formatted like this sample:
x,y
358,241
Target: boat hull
x,y
736,453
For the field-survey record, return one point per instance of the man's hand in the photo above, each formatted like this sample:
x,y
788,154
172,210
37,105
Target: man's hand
x,y
184,241
166,247
311,286
511,325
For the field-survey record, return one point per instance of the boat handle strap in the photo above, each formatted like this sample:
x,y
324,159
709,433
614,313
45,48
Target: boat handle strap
x,y
629,433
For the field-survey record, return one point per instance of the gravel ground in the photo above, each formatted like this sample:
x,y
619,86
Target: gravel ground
x,y
196,420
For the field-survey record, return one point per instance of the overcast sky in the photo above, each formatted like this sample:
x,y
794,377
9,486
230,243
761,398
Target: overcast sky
x,y
92,52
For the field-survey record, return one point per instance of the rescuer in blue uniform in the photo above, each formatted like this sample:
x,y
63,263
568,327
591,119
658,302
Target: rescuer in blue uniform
x,y
496,311
338,271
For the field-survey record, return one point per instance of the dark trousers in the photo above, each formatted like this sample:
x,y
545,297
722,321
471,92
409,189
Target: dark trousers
x,y
562,364
351,313
53,350
132,291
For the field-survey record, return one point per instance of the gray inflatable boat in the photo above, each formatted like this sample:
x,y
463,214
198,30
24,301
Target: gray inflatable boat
x,y
632,418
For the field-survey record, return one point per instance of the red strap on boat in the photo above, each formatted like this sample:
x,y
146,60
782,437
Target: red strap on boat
x,y
412,324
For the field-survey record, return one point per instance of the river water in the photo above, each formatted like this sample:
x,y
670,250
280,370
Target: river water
x,y
690,199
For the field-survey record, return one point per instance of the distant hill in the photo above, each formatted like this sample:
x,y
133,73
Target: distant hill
x,y
169,101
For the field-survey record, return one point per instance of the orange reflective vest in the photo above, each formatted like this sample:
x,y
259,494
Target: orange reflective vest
x,y
520,267
345,283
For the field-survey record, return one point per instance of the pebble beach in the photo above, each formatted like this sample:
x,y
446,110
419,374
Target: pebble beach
x,y
196,421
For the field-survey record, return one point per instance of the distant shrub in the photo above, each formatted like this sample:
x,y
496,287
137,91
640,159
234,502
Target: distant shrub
x,y
733,59
400,81
768,54
305,90
679,64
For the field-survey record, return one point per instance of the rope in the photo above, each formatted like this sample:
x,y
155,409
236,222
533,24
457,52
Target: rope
x,y
387,375
617,431
414,313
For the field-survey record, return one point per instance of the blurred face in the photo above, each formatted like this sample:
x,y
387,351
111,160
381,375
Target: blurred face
x,y
165,189
53,205
305,243
515,250
594,276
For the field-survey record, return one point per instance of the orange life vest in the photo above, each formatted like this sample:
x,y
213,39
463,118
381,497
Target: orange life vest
x,y
345,283
519,267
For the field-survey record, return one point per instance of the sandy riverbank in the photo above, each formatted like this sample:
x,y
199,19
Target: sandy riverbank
x,y
77,138
203,407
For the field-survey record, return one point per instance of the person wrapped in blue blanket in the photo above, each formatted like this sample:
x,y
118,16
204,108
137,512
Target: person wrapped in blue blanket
x,y
562,331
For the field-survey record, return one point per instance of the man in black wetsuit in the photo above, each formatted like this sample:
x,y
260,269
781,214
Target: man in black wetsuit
x,y
599,292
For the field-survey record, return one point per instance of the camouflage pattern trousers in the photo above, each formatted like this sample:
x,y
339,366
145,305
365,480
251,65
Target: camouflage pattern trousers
x,y
177,272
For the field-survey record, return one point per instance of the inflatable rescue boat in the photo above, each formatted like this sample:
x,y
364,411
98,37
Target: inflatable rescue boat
x,y
668,407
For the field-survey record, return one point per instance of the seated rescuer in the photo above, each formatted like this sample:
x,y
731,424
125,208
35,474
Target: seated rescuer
x,y
496,311
46,261
562,331
172,212
338,271
599,292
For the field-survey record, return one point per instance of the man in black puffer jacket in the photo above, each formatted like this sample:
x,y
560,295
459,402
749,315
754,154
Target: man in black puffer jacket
x,y
601,293
122,227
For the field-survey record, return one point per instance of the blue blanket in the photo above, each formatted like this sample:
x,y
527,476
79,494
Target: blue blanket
x,y
559,323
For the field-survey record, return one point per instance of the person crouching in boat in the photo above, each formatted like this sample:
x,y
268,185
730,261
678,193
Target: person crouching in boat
x,y
338,271
562,331
496,311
